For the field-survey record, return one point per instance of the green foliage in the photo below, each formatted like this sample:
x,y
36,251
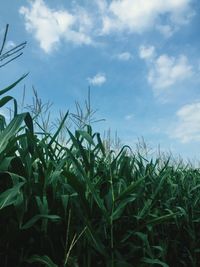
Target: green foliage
x,y
78,204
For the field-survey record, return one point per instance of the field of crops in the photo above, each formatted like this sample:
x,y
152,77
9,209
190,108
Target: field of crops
x,y
79,204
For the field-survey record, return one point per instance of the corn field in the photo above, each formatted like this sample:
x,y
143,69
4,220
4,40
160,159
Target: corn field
x,y
79,204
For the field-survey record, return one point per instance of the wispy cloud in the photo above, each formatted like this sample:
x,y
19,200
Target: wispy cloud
x,y
10,44
187,127
165,71
141,15
166,30
147,52
129,117
98,79
125,56
50,27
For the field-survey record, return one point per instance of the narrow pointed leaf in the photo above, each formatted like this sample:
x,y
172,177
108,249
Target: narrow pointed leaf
x,y
9,196
12,85
45,260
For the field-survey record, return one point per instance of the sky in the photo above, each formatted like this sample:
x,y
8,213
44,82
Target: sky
x,y
140,59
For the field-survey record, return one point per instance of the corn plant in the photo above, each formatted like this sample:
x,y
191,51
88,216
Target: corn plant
x,y
79,204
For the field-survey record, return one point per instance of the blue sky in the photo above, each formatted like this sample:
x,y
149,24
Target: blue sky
x,y
141,59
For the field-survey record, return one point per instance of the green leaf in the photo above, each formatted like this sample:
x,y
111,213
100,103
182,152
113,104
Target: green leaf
x,y
86,136
129,190
122,264
58,130
5,100
65,201
96,242
78,187
195,188
82,152
5,163
162,219
38,217
154,261
29,122
100,144
77,165
10,196
11,130
121,206
12,85
45,260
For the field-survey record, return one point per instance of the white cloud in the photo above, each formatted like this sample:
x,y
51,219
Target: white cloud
x,y
141,15
102,6
98,79
146,52
50,26
125,56
165,71
129,117
187,128
10,44
166,30
80,24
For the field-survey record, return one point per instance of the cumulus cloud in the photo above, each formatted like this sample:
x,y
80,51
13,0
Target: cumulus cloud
x,y
146,52
187,128
141,15
125,56
169,70
81,25
165,71
98,79
50,26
